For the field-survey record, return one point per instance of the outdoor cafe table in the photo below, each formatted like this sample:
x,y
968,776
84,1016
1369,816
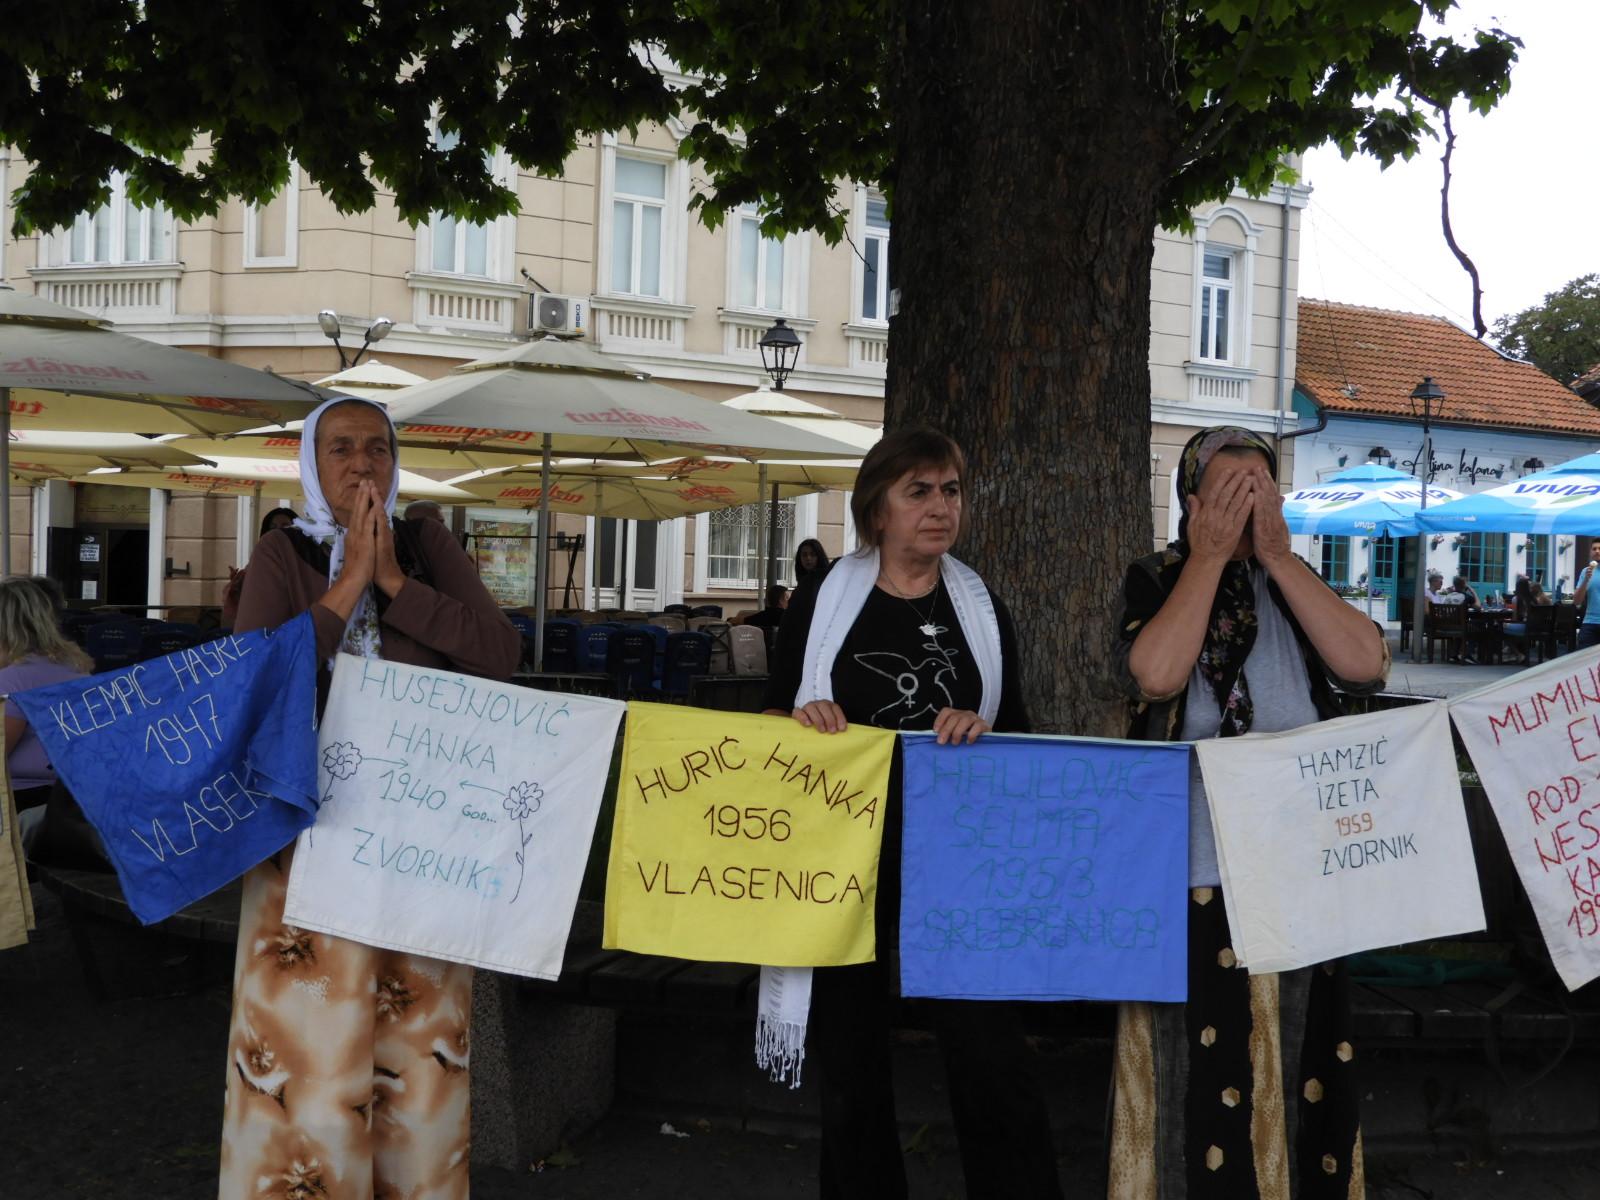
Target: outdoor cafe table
x,y
1487,627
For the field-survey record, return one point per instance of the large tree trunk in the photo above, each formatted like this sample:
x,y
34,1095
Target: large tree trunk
x,y
1032,142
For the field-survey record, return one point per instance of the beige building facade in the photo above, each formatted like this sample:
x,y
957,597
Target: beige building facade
x,y
660,292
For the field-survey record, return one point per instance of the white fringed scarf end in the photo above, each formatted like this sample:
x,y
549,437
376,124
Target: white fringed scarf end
x,y
781,1015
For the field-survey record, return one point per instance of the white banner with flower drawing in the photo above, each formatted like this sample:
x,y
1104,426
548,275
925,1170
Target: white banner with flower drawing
x,y
456,815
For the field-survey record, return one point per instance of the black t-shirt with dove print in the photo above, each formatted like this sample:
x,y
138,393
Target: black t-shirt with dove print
x,y
891,674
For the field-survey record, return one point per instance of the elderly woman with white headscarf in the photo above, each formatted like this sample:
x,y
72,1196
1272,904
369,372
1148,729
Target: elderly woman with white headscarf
x,y
347,1065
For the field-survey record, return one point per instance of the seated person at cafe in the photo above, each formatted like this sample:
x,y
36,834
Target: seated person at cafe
x,y
33,653
771,616
1529,594
1436,593
1460,587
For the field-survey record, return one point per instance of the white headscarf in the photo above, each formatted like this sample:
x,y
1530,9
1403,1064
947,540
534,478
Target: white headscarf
x,y
361,631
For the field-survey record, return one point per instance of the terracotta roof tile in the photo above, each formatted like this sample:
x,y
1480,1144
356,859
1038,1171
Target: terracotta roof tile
x,y
1354,359
1588,381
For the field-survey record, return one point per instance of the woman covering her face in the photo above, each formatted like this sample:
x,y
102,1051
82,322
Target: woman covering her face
x,y
347,1065
1224,633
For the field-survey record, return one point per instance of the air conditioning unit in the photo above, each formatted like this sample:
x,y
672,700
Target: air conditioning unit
x,y
559,316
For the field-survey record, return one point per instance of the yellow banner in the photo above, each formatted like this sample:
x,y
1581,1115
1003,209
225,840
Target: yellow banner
x,y
741,838
16,902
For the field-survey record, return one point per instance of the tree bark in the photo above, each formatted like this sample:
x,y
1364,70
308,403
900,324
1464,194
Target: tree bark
x,y
1032,142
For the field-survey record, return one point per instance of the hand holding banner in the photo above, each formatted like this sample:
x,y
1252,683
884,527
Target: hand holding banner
x,y
741,838
456,817
1535,741
1045,869
1343,836
193,767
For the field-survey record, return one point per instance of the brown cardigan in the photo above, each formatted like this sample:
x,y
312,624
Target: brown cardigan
x,y
453,624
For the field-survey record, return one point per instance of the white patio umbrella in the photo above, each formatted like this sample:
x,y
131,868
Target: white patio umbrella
x,y
371,380
802,414
634,497
242,476
56,454
61,369
568,398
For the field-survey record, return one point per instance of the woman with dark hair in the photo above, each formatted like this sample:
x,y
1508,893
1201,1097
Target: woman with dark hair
x,y
347,1064
1226,633
278,518
901,635
809,558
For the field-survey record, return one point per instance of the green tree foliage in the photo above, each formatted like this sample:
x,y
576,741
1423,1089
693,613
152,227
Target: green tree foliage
x,y
200,102
1561,336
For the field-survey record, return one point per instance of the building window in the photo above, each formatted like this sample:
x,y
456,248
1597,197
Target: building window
x,y
638,218
733,558
1336,559
1483,560
271,230
1216,306
1383,559
875,260
642,565
759,273
1540,562
120,231
456,246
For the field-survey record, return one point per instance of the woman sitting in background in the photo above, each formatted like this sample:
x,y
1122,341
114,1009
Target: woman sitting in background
x,y
33,652
278,518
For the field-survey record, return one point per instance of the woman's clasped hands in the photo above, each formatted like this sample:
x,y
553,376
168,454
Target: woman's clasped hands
x,y
369,555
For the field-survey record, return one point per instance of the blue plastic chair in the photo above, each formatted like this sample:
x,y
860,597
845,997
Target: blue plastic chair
x,y
525,625
166,641
688,655
659,633
561,644
113,643
594,648
631,661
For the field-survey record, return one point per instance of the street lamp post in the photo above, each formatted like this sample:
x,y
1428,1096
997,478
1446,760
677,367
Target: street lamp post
x,y
376,332
1427,402
780,347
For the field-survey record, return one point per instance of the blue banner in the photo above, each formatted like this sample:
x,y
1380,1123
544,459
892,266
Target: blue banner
x,y
1040,868
193,767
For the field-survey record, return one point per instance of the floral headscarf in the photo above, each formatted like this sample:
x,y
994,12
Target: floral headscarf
x,y
1231,632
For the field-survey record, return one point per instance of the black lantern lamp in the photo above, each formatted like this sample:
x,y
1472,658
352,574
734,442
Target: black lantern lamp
x,y
1533,464
1379,454
1425,397
780,346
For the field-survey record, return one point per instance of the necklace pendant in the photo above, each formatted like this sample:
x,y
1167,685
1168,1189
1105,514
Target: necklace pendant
x,y
929,629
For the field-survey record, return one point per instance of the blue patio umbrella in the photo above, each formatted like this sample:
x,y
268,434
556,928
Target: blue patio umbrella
x,y
1368,501
1564,499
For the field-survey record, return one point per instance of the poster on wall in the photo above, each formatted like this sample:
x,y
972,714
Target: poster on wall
x,y
503,552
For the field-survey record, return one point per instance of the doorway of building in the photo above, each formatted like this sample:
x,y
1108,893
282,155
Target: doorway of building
x,y
109,564
1394,569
